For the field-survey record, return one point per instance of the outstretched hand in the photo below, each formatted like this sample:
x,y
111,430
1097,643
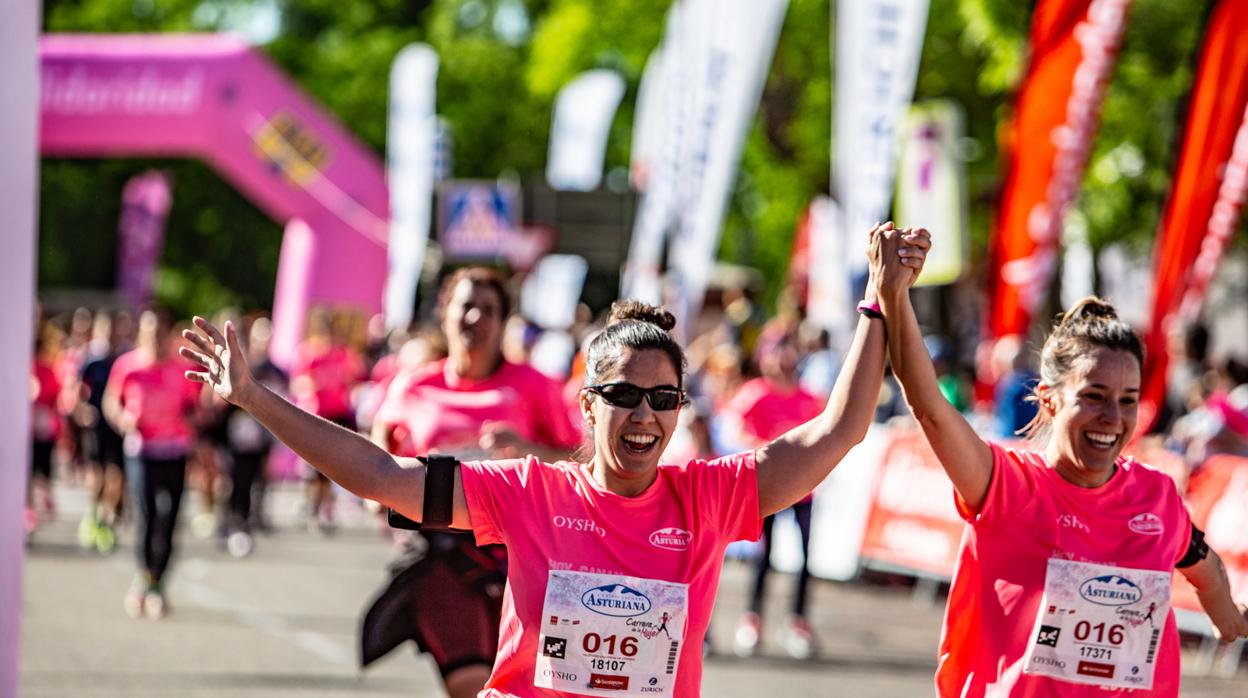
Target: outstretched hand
x,y
221,359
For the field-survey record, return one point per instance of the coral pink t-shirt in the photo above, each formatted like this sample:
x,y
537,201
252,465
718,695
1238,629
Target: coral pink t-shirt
x,y
431,408
333,371
161,398
556,516
45,421
1032,514
766,412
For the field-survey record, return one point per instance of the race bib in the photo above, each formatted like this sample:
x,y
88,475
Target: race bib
x,y
610,635
1099,624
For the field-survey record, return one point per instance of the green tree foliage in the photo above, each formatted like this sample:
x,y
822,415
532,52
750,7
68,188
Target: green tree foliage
x,y
503,62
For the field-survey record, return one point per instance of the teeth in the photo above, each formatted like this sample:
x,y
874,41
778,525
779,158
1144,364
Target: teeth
x,y
640,440
1104,439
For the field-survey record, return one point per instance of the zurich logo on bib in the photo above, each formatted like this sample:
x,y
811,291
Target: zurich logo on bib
x,y
616,600
1110,590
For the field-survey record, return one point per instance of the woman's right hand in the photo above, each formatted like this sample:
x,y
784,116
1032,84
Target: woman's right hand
x,y
222,359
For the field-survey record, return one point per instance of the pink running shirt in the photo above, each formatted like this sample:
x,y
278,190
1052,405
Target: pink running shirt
x,y
766,412
161,396
1032,514
431,408
333,371
555,515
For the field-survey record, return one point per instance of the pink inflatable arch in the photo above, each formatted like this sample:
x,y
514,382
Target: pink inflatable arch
x,y
216,98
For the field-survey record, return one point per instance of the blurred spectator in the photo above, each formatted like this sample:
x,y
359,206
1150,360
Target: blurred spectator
x,y
324,374
1012,410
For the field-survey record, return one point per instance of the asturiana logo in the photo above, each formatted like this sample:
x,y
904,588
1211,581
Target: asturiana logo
x,y
1148,524
615,600
1110,590
671,539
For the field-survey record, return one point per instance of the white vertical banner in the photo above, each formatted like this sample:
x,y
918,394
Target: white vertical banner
x,y
665,114
878,44
1078,262
584,110
19,193
740,39
410,155
552,290
648,118
931,191
828,301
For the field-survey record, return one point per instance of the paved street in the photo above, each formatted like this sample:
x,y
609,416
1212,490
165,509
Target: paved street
x,y
283,623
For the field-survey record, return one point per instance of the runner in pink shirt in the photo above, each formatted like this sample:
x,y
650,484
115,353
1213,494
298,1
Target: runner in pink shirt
x,y
613,562
322,377
151,408
473,404
46,423
762,409
1063,580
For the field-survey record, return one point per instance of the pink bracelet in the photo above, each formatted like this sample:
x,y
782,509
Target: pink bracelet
x,y
871,310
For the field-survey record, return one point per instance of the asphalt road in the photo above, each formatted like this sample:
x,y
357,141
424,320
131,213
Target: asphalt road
x,y
283,621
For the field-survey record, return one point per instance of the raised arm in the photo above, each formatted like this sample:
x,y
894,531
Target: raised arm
x,y
1213,589
342,455
792,465
963,454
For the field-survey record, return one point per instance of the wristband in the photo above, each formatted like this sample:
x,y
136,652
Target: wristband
x,y
871,310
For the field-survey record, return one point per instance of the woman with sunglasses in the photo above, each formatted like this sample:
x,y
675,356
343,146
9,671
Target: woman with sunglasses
x,y
614,562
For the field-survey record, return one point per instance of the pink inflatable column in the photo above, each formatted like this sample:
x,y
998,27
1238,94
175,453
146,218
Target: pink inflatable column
x,y
19,86
295,272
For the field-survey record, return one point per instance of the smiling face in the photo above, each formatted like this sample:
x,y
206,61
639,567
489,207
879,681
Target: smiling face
x,y
628,441
473,321
1093,415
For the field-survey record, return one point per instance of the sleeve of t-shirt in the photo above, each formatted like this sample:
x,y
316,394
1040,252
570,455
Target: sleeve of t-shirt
x,y
727,491
493,490
1013,483
1181,518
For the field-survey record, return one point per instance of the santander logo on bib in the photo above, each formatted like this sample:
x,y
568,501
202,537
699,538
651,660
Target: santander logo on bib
x,y
671,539
1148,524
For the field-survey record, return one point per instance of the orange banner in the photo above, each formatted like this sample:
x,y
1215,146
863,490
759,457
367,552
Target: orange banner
x,y
913,524
1074,46
1217,496
1208,191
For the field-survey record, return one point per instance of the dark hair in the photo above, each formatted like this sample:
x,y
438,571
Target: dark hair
x,y
1090,324
479,276
637,326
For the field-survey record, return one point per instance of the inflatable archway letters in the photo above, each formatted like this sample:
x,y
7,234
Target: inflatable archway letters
x,y
216,98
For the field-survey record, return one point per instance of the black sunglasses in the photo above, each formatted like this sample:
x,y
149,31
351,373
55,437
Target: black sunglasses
x,y
661,398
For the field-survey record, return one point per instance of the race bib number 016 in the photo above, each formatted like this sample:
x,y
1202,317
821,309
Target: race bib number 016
x,y
609,635
1099,624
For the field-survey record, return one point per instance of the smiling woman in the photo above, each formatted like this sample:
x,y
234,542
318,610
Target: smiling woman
x,y
1070,551
613,562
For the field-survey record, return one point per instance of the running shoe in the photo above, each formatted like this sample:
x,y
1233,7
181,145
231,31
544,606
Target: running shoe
x,y
239,544
799,640
105,539
745,642
204,525
154,605
88,529
135,595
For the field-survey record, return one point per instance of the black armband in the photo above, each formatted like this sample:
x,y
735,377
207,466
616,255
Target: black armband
x,y
439,505
1197,550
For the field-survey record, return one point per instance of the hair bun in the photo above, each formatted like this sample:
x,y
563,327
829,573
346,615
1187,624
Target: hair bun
x,y
1089,308
641,312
